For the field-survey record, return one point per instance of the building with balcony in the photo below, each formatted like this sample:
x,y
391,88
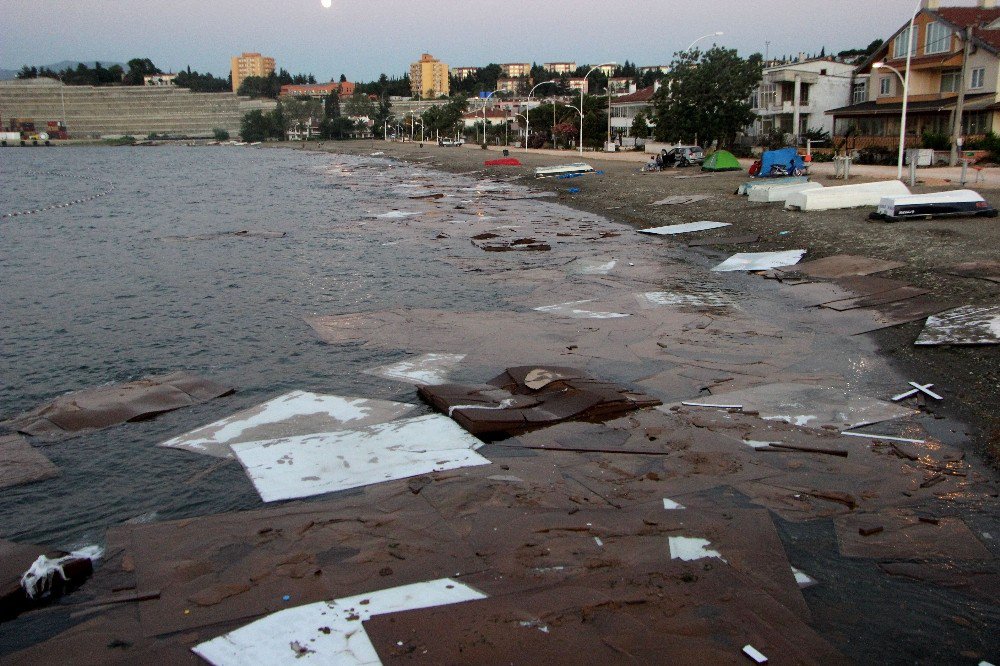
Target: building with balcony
x,y
514,70
625,108
560,67
939,72
578,84
464,72
794,97
250,64
319,90
156,80
510,85
429,78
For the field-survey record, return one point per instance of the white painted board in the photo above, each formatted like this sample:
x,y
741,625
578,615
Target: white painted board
x,y
304,466
427,369
759,261
328,632
574,311
968,325
686,228
294,413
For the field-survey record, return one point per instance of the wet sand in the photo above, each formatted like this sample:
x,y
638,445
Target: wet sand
x,y
928,247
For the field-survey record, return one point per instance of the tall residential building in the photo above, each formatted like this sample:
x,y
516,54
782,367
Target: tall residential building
x,y
513,70
429,77
464,72
560,67
250,64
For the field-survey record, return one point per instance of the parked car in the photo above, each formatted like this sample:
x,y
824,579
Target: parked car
x,y
450,142
682,156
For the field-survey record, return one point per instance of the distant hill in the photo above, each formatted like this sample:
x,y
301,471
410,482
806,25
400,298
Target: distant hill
x,y
8,74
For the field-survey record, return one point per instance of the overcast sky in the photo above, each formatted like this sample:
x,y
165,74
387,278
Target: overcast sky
x,y
364,38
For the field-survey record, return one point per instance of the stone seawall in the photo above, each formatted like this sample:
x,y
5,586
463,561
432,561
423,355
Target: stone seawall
x,y
139,111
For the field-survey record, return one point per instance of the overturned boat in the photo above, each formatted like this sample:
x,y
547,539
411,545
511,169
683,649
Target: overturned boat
x,y
938,204
563,170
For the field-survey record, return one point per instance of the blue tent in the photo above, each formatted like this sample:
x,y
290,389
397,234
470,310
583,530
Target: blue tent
x,y
786,157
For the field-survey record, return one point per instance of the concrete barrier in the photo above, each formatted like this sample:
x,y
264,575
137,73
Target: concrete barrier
x,y
780,192
845,196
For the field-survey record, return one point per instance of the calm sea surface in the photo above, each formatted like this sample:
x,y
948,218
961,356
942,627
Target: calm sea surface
x,y
104,291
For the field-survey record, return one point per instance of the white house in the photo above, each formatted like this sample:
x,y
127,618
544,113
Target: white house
x,y
794,97
625,108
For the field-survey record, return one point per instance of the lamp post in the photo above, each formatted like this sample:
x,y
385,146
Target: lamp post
x,y
711,34
592,70
906,87
485,100
527,125
902,120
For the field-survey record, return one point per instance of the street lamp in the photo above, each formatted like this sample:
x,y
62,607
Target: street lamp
x,y
582,86
486,99
902,121
711,34
906,88
527,122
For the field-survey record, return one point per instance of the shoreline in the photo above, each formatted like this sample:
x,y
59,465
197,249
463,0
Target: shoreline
x,y
971,375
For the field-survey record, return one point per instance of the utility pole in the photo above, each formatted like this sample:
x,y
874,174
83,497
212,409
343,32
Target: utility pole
x,y
956,133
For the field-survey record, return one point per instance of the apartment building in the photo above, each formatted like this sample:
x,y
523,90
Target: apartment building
x,y
250,64
560,67
429,78
514,70
464,72
795,97
952,50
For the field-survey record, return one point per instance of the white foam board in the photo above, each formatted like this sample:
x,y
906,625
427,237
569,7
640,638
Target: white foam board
x,y
759,261
328,632
308,465
294,413
968,325
427,369
573,311
686,228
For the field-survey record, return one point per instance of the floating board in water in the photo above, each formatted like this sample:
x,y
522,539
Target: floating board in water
x,y
562,170
937,204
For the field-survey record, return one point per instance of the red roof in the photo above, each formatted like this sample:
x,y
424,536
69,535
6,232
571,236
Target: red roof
x,y
966,16
978,18
643,95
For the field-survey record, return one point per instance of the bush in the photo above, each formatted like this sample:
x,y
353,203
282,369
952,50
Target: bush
x,y
220,134
935,141
877,155
126,140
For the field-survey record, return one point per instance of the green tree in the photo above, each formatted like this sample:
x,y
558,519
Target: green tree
x,y
201,82
137,69
640,126
706,95
358,105
257,126
261,86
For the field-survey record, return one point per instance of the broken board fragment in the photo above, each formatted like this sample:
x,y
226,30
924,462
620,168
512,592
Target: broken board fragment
x,y
681,199
294,413
969,325
573,312
508,405
309,465
844,265
330,632
21,464
759,261
811,406
106,406
686,228
424,369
